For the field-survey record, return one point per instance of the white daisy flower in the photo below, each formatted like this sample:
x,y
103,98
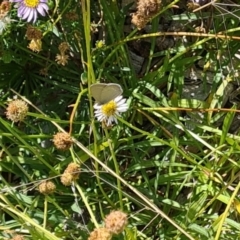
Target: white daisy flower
x,y
108,112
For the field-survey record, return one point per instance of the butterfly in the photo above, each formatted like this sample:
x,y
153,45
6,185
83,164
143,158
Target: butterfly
x,y
105,92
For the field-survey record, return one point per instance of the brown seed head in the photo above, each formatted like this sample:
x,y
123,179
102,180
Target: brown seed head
x,y
148,7
192,6
139,21
63,47
100,234
73,169
62,59
33,33
62,141
116,221
145,10
17,110
18,237
200,29
5,7
67,179
70,174
43,72
47,187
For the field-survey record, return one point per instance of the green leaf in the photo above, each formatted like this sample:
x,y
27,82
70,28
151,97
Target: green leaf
x,y
131,234
196,206
200,230
226,125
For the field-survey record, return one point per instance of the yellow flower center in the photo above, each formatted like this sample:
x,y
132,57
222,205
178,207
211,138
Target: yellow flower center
x,y
31,3
109,109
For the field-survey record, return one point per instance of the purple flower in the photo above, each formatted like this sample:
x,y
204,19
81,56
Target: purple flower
x,y
29,9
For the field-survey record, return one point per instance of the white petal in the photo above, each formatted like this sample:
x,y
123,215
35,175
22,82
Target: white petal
x,y
118,98
30,16
122,101
97,106
122,108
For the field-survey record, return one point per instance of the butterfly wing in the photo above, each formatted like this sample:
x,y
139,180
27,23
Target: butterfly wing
x,y
104,93
96,91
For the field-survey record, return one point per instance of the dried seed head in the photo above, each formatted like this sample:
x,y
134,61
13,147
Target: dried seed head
x,y
63,47
62,59
17,110
73,169
5,8
148,7
139,21
100,234
200,29
194,4
70,174
62,141
116,221
33,33
145,10
66,179
47,187
18,237
43,72
35,45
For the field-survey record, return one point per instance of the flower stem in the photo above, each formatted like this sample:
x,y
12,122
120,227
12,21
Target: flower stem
x,y
116,169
